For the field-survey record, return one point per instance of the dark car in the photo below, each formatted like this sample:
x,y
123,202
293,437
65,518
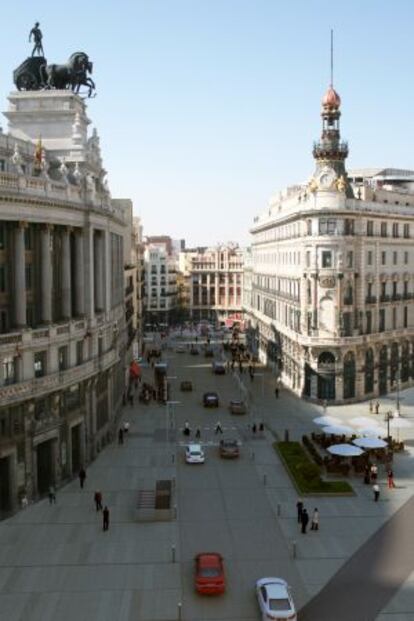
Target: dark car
x,y
237,407
219,367
209,573
194,351
229,448
210,400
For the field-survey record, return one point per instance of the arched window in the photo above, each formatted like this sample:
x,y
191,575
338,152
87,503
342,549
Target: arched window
x,y
349,375
326,376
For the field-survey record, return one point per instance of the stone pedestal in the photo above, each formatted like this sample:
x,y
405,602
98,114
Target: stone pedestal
x,y
59,117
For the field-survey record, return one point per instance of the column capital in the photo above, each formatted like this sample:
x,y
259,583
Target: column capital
x,y
22,224
47,227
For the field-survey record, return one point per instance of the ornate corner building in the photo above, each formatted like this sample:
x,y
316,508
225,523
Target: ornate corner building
x,y
62,309
330,287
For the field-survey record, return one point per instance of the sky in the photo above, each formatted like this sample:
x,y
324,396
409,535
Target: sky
x,y
205,108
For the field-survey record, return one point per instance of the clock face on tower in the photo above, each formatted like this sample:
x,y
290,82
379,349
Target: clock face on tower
x,y
327,177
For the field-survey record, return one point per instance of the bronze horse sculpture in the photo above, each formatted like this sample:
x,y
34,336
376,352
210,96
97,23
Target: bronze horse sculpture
x,y
73,74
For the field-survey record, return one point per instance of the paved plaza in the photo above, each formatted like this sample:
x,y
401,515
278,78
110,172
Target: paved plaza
x,y
56,563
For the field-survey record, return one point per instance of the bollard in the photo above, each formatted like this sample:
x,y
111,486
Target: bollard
x,y
279,510
265,479
293,549
172,458
179,607
173,553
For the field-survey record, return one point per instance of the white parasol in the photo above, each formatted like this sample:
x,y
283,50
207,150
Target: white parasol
x,y
326,420
363,421
338,430
345,450
372,432
369,443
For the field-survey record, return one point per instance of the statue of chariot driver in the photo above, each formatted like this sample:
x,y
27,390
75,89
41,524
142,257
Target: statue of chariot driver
x,y
35,74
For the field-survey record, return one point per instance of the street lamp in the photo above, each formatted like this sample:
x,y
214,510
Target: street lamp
x,y
388,416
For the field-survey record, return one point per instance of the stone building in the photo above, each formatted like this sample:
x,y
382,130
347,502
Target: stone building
x,y
160,261
62,316
215,282
331,306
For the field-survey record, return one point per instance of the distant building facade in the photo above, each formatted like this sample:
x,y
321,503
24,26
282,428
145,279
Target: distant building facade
x,y
331,305
214,282
160,262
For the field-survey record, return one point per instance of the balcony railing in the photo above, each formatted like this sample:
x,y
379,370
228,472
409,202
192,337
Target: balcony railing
x,y
371,299
384,298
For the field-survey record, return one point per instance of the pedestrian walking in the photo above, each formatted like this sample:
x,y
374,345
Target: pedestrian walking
x,y
374,472
120,436
251,372
198,433
261,427
97,497
371,407
240,366
186,430
315,520
105,518
299,507
52,495
254,428
277,392
376,490
82,477
390,478
377,406
126,426
304,521
218,428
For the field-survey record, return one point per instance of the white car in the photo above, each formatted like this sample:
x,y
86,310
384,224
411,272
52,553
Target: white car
x,y
194,454
275,599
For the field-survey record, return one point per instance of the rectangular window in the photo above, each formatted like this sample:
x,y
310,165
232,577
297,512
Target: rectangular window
x,y
349,258
347,323
326,258
395,230
2,278
405,288
327,226
309,227
28,271
349,226
370,228
394,318
2,165
28,238
368,322
383,290
2,237
369,257
394,289
9,370
383,257
63,357
383,229
369,290
406,257
308,256
79,352
40,363
405,316
406,231
381,326
394,257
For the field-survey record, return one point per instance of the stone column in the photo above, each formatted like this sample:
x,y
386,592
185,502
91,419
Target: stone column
x,y
66,275
19,276
46,275
106,250
99,271
79,288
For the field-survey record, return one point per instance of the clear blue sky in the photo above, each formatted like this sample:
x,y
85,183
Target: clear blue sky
x,y
207,107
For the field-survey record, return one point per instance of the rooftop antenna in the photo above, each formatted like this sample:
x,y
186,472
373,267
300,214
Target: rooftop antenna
x,y
331,57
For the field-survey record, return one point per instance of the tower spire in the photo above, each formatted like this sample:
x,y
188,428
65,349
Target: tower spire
x,y
331,83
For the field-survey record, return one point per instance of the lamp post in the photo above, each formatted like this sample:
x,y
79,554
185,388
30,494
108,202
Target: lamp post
x,y
388,416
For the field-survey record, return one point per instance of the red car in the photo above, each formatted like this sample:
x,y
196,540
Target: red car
x,y
209,573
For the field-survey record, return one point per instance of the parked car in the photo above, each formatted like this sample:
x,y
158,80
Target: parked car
x,y
186,386
210,400
229,448
209,573
194,454
194,351
219,367
180,349
275,599
237,407
208,352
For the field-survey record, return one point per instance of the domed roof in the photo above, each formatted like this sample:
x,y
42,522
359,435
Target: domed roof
x,y
331,98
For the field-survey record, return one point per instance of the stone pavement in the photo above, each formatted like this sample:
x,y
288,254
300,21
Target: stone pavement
x,y
56,563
